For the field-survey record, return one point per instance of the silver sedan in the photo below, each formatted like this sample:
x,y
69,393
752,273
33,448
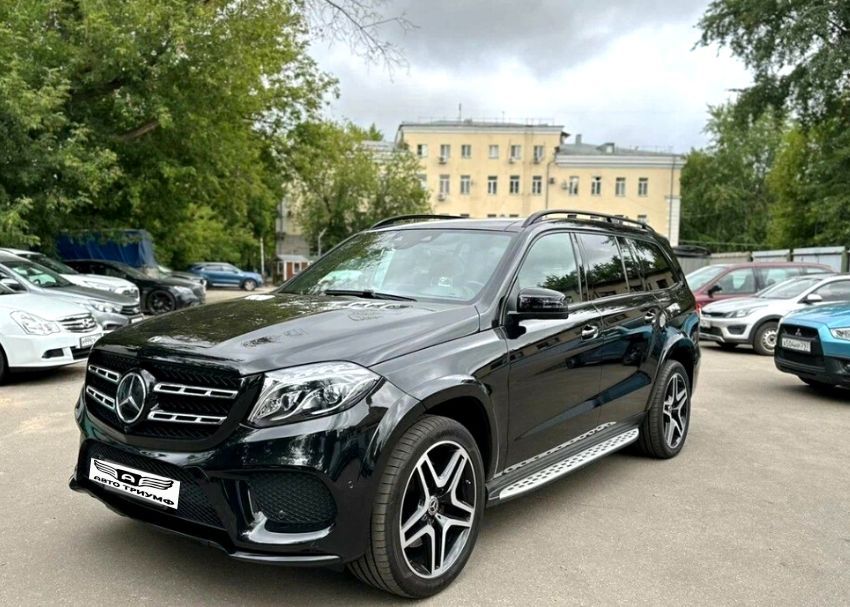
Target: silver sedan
x,y
754,320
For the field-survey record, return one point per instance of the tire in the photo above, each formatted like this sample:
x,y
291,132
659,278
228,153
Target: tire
x,y
764,341
159,302
399,497
657,438
249,285
727,347
4,367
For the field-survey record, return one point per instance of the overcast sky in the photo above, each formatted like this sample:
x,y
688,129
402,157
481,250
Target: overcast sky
x,y
613,70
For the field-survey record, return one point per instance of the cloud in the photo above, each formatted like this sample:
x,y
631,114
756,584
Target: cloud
x,y
623,72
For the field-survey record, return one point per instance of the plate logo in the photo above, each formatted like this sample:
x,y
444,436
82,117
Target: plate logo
x,y
136,483
130,398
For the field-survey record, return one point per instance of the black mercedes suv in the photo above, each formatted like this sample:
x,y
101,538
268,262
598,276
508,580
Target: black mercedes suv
x,y
367,411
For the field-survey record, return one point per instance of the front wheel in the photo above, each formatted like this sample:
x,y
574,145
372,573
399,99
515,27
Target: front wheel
x,y
764,341
249,285
427,511
665,427
160,302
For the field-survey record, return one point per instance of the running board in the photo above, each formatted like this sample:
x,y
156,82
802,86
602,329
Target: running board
x,y
565,466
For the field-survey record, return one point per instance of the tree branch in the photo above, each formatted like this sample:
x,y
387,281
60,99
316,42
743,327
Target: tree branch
x,y
140,131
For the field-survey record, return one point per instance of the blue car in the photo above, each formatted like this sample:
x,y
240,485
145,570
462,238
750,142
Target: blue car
x,y
219,274
814,345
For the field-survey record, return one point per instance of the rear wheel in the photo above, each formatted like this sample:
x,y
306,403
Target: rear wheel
x,y
666,424
764,341
160,302
427,511
249,285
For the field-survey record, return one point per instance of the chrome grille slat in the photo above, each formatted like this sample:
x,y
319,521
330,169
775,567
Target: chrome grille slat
x,y
199,391
107,374
81,323
100,397
185,418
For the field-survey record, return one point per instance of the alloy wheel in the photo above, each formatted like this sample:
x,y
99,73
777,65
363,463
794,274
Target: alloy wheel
x,y
438,509
160,303
676,410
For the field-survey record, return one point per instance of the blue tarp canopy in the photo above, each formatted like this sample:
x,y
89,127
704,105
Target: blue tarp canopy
x,y
133,247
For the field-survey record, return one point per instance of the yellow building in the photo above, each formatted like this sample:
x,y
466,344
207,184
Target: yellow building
x,y
503,169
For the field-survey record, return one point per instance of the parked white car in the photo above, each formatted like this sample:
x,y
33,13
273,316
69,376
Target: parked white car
x,y
38,332
755,320
93,281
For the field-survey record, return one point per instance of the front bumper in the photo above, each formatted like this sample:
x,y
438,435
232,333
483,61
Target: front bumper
x,y
46,351
111,321
222,502
726,330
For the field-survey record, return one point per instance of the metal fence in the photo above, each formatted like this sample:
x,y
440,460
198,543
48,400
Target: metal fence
x,y
834,257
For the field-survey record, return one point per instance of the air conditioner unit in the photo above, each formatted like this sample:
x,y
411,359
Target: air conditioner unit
x,y
443,160
441,196
565,185
552,181
513,160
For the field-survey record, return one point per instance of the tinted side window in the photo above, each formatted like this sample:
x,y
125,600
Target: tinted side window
x,y
633,269
737,282
772,276
551,264
835,291
603,265
657,270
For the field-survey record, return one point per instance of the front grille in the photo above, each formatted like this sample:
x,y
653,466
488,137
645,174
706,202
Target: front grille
x,y
81,323
812,359
133,310
293,502
192,505
793,330
183,403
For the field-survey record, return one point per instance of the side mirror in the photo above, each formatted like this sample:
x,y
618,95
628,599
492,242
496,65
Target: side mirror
x,y
538,303
813,298
714,289
12,284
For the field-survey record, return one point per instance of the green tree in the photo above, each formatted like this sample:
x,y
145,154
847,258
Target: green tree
x,y
341,187
726,201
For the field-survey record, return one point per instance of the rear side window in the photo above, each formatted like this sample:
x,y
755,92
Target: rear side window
x,y
657,271
835,291
737,282
772,276
633,269
551,264
603,265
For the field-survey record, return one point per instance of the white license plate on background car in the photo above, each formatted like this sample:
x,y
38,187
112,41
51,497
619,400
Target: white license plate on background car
x,y
142,485
798,345
88,341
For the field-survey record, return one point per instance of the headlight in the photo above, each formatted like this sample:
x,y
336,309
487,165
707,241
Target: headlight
x,y
183,290
310,391
35,325
744,312
102,306
841,333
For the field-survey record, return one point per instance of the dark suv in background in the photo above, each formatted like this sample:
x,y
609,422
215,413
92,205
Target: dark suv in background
x,y
367,411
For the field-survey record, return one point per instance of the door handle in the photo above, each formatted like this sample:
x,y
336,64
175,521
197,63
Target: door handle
x,y
589,332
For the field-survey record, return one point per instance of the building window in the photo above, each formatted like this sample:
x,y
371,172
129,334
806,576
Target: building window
x,y
422,150
513,215
445,151
572,186
538,153
466,151
514,184
596,186
423,179
620,187
491,215
641,218
516,152
537,185
494,152
492,185
465,184
643,186
464,214
444,185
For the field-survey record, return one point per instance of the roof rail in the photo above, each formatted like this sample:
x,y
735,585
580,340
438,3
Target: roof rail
x,y
399,218
539,215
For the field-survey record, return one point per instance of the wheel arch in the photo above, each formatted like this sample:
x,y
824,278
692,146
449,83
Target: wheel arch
x,y
685,353
760,324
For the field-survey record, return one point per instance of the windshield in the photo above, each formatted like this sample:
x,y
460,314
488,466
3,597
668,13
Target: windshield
x,y
50,263
789,288
129,270
699,278
36,274
450,264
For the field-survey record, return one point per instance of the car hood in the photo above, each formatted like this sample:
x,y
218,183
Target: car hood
x,y
264,332
97,279
48,308
779,306
84,294
833,316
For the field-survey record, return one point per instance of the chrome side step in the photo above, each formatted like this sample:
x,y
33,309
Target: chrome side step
x,y
565,466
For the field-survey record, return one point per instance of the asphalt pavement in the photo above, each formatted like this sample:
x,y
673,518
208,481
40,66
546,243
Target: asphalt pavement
x,y
755,511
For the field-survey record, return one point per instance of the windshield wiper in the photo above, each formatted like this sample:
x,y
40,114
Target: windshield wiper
x,y
367,294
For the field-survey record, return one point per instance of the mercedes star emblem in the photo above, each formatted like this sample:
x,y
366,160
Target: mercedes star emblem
x,y
130,398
